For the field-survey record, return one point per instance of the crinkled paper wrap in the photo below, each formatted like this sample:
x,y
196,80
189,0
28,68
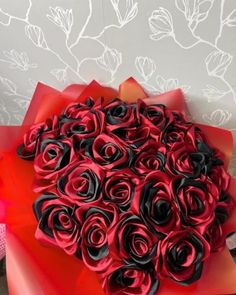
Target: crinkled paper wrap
x,y
34,269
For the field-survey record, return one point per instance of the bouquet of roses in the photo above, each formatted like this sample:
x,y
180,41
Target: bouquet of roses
x,y
131,187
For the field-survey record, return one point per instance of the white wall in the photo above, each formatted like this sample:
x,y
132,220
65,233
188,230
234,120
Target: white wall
x,y
162,43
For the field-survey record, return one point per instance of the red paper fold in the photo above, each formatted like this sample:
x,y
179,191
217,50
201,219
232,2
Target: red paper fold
x,y
130,90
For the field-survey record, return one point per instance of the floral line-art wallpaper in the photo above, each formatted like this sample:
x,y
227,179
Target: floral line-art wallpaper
x,y
164,44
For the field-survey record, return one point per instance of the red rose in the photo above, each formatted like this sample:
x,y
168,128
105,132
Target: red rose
x,y
120,187
108,152
130,279
77,110
155,205
181,254
53,157
197,200
96,222
146,126
158,115
130,240
90,125
81,183
58,223
37,133
175,132
119,114
183,159
152,157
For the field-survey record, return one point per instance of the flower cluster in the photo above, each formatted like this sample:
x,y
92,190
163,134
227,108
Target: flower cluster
x,y
133,190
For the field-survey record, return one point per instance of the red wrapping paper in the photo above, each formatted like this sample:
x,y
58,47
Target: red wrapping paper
x,y
36,269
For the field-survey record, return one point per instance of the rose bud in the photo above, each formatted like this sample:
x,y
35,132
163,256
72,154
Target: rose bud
x,y
155,204
81,183
130,240
197,200
33,137
181,254
129,279
96,221
57,223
